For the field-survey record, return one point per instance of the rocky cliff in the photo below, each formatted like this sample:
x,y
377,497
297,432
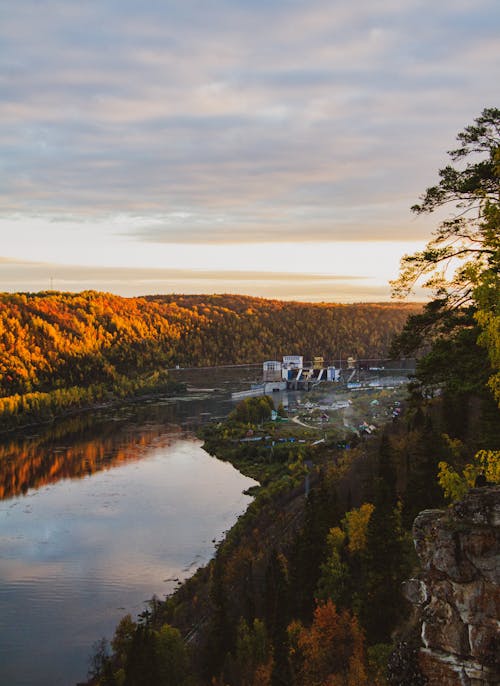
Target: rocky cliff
x,y
458,591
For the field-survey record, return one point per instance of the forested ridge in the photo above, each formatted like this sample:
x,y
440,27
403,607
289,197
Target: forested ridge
x,y
240,329
65,349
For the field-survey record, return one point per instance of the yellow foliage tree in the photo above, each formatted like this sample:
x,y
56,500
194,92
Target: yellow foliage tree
x,y
355,524
456,485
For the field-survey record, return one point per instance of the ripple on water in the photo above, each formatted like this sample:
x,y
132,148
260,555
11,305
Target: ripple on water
x,y
83,552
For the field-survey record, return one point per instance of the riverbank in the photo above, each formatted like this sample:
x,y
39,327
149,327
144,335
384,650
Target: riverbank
x,y
98,512
268,568
20,412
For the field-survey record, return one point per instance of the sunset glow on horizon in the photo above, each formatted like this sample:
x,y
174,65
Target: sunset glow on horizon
x,y
272,149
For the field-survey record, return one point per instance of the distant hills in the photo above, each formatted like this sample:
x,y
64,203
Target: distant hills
x,y
52,340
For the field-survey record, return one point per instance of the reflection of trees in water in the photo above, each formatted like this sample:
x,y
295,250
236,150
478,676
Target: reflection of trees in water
x,y
79,447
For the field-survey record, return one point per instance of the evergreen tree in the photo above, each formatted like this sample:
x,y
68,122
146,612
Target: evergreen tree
x,y
221,633
422,489
385,565
386,467
277,616
463,257
310,548
141,668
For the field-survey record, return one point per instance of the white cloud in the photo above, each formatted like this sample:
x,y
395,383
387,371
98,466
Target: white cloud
x,y
234,121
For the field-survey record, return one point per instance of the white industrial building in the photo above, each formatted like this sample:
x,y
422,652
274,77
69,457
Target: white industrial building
x,y
271,371
292,371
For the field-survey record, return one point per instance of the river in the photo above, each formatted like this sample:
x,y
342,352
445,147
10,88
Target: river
x,y
98,513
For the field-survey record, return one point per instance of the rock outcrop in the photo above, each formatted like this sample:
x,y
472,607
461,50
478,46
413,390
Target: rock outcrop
x,y
458,592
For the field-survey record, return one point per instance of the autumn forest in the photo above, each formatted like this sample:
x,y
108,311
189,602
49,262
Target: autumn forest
x,y
60,350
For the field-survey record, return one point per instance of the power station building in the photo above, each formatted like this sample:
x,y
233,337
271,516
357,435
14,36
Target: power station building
x,y
296,374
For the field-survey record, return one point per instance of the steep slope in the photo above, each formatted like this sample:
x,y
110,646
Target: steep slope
x,y
458,591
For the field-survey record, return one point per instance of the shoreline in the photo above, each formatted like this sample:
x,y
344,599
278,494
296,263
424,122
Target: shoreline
x,y
70,410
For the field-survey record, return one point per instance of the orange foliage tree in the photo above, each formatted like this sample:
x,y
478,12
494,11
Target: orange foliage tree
x,y
330,652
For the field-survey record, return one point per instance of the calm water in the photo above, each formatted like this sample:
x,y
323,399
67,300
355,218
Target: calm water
x,y
96,515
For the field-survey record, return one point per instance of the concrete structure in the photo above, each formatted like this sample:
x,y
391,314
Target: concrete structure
x,y
300,376
332,374
274,386
271,371
292,364
251,392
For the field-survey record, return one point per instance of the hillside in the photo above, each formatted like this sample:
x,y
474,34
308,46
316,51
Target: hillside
x,y
237,329
306,589
69,349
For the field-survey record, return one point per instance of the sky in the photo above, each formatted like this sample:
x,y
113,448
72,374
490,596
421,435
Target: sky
x,y
199,146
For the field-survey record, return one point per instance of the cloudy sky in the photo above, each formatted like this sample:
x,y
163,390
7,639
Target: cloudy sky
x,y
263,147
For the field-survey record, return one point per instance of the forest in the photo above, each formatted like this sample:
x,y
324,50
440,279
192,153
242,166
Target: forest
x,y
61,350
306,588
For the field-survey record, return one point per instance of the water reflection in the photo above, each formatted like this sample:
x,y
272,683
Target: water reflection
x,y
68,449
116,507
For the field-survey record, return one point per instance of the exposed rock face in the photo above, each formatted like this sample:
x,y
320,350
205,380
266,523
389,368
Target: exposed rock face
x,y
458,592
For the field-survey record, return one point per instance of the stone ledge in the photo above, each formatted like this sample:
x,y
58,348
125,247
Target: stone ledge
x,y
450,670
457,594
